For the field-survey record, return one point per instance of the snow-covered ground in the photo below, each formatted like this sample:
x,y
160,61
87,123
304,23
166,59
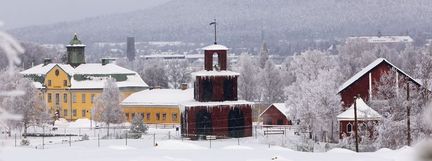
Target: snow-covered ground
x,y
170,147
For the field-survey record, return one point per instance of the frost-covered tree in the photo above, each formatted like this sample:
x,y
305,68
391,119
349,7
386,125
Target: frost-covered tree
x,y
107,107
272,86
312,96
30,106
391,102
178,72
248,79
154,73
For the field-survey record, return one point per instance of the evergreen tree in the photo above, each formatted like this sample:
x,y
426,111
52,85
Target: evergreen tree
x,y
264,55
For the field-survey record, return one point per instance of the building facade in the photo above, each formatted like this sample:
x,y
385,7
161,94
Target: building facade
x,y
70,89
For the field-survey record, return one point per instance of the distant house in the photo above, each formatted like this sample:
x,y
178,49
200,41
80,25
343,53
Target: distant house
x,y
157,106
366,117
276,114
365,83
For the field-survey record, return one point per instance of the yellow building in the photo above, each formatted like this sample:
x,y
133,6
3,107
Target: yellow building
x,y
70,89
157,106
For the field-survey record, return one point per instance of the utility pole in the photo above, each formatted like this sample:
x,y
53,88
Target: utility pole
x,y
355,125
408,117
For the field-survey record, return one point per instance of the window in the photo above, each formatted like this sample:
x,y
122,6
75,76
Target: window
x,y
74,113
148,116
83,113
127,116
92,98
65,112
49,98
164,116
157,116
142,115
64,82
74,98
64,98
49,83
57,98
83,98
174,116
133,115
349,128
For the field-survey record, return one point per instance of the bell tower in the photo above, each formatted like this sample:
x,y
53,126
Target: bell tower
x,y
75,52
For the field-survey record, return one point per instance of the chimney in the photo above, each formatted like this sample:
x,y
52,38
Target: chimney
x,y
47,61
184,86
106,61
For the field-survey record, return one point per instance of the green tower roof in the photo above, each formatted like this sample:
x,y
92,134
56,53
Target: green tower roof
x,y
75,41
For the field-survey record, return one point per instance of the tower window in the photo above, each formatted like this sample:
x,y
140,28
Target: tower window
x,y
349,128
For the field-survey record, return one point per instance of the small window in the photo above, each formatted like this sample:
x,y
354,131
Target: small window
x,y
74,113
64,98
49,98
64,82
92,97
74,98
157,116
349,128
83,113
83,98
57,72
133,115
164,116
49,83
148,116
127,116
65,112
174,116
142,115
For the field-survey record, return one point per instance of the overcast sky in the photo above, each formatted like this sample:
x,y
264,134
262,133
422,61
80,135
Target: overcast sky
x,y
20,13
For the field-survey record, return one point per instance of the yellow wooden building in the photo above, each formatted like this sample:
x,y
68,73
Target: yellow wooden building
x,y
157,106
70,89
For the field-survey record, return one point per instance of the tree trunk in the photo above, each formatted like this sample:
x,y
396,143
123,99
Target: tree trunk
x,y
25,129
107,130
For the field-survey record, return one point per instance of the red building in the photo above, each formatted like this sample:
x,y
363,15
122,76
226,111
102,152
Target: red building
x,y
366,118
216,111
276,114
365,83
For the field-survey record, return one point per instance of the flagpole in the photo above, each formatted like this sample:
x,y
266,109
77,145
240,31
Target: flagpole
x,y
215,30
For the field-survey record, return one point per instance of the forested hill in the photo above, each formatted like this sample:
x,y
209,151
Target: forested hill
x,y
241,21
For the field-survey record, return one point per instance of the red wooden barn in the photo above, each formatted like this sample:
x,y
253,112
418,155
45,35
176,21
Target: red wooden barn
x,y
216,111
366,117
365,83
276,114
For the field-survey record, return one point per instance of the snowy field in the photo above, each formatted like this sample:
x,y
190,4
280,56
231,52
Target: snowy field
x,y
170,147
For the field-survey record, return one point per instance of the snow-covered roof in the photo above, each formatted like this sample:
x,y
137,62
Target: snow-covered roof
x,y
215,103
367,69
132,78
383,39
98,68
215,73
215,47
159,97
42,69
364,112
280,106
38,85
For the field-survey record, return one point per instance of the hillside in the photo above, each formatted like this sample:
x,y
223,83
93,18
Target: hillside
x,y
241,21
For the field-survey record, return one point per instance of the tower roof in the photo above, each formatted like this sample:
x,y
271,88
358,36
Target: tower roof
x,y
75,41
215,47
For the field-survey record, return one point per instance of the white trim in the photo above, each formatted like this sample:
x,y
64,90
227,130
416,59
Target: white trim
x,y
370,85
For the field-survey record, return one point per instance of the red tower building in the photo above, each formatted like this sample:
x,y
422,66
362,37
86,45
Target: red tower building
x,y
216,110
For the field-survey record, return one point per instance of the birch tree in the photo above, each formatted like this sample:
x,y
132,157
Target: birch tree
x,y
107,107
